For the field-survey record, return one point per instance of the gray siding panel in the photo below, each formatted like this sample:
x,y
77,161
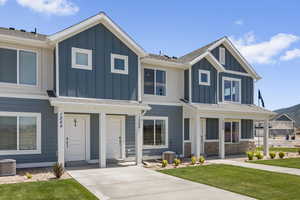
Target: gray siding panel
x,y
94,136
174,114
186,84
48,132
98,82
204,93
247,129
247,87
230,62
212,129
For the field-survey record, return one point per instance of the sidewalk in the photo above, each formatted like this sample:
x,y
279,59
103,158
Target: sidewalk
x,y
286,170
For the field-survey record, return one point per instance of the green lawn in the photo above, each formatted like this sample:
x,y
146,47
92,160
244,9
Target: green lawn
x,y
251,182
67,189
288,162
278,149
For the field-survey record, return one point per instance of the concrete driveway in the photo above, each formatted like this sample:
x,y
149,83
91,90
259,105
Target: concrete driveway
x,y
137,183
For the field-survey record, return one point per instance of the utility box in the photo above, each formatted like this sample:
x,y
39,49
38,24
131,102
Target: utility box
x,y
7,167
169,156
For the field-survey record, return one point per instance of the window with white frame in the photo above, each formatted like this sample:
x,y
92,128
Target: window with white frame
x,y
18,66
20,133
232,131
119,64
222,55
231,90
204,77
155,132
82,58
154,82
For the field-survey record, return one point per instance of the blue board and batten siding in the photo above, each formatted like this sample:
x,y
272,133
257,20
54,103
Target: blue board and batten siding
x,y
48,128
98,82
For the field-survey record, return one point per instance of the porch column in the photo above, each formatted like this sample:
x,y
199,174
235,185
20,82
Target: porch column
x,y
221,139
266,137
138,139
197,136
60,138
102,140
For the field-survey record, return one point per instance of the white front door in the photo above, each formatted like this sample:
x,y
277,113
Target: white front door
x,y
115,137
75,138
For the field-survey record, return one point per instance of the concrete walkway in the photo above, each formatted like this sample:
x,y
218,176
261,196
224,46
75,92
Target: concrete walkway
x,y
286,170
137,183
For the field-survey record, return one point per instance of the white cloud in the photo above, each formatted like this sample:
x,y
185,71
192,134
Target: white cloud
x,y
2,2
266,51
239,22
55,7
291,54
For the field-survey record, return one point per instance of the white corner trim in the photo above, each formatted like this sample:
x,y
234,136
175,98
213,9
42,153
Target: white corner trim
x,y
89,53
57,69
208,77
32,165
112,63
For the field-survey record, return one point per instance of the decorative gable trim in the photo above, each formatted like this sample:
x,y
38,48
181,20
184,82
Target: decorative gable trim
x,y
211,59
277,117
233,50
92,21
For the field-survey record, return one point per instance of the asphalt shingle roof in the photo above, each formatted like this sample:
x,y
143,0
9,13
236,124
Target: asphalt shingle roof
x,y
21,34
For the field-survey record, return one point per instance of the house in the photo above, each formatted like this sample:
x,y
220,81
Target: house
x,y
91,93
282,126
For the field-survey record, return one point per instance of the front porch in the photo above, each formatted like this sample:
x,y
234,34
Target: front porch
x,y
94,131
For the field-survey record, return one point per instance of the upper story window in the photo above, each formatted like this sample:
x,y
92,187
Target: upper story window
x,y
20,133
155,82
222,55
119,64
82,58
18,66
155,132
204,77
231,90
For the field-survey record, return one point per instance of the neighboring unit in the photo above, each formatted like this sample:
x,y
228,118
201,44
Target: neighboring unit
x,y
90,93
282,126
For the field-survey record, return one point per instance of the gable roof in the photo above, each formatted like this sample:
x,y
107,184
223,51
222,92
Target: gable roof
x,y
92,21
282,115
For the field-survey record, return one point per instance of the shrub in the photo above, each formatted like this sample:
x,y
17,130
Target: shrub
x,y
281,154
299,151
176,162
28,175
164,163
250,155
201,160
272,155
193,160
259,155
58,170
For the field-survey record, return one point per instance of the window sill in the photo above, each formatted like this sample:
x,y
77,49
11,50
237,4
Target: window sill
x,y
21,152
85,67
115,71
155,147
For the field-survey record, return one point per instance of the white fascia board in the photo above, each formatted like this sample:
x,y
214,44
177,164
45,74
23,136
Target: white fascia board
x,y
24,41
227,43
211,59
163,63
105,20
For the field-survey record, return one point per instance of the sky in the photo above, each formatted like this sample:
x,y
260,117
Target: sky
x,y
267,33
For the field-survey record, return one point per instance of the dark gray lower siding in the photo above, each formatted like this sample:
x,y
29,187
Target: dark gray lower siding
x,y
48,132
94,136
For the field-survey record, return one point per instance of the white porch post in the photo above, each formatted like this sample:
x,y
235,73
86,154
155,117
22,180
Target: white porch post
x,y
221,139
266,137
102,140
60,138
138,139
197,136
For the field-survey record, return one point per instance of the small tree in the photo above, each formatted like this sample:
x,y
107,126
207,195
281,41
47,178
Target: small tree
x,y
58,170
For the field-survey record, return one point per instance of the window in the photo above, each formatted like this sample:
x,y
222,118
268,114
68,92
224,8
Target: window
x,y
18,66
20,133
82,58
232,131
204,77
231,90
155,132
155,82
222,55
119,64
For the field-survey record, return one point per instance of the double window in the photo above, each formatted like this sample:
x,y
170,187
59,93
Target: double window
x,y
155,82
82,58
232,131
18,66
20,133
204,77
119,64
231,90
155,132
